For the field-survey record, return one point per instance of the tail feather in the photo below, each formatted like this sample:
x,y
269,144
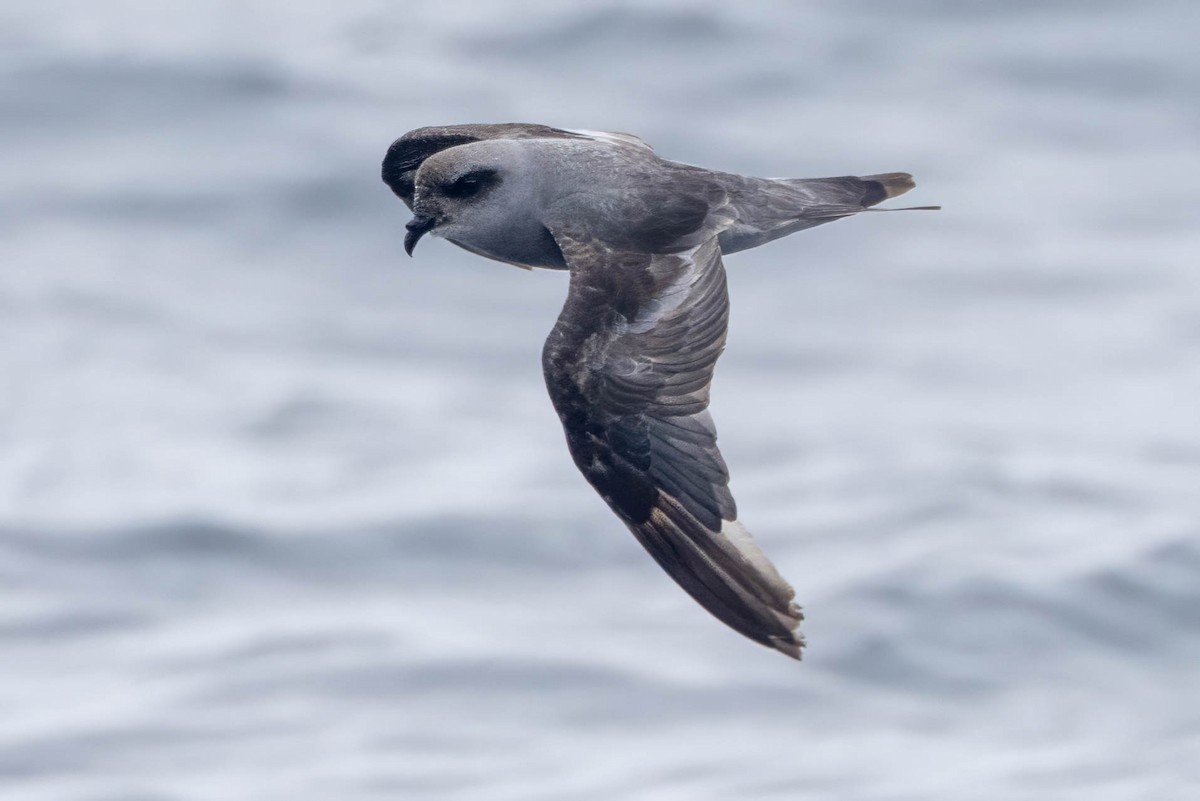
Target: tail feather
x,y
770,208
885,186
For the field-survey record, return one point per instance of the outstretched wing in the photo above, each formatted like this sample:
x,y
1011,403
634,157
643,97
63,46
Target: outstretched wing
x,y
628,368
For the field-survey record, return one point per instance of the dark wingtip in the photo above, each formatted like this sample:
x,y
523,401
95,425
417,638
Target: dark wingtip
x,y
405,156
725,572
397,172
793,647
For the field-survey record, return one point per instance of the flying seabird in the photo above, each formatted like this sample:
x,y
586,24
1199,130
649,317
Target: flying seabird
x,y
629,363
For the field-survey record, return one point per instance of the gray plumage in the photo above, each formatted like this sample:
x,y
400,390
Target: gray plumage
x,y
629,363
766,208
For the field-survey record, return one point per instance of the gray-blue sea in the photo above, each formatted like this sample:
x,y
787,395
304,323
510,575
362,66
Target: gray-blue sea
x,y
287,515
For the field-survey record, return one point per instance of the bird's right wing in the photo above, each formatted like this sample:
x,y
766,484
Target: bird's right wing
x,y
628,368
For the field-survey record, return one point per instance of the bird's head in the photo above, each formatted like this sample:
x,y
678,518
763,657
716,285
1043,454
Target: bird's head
x,y
478,195
406,155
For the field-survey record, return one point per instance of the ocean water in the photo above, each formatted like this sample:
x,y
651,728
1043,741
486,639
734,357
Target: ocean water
x,y
285,514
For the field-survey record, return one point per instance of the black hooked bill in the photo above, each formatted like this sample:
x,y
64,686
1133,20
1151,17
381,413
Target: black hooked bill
x,y
417,227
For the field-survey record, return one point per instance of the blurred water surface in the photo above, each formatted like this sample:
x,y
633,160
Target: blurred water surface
x,y
284,514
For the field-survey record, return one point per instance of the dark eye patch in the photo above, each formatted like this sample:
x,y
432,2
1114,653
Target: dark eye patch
x,y
471,183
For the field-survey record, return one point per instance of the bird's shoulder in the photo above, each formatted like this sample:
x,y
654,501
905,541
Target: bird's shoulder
x,y
632,201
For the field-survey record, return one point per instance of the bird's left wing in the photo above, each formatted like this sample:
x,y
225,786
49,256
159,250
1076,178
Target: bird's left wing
x,y
612,137
628,368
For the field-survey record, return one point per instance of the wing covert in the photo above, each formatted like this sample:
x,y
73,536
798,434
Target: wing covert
x,y
628,367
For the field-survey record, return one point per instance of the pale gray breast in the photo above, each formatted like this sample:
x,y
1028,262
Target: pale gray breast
x,y
529,251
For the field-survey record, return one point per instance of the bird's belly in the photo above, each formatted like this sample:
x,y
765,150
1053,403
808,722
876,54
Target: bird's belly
x,y
532,250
